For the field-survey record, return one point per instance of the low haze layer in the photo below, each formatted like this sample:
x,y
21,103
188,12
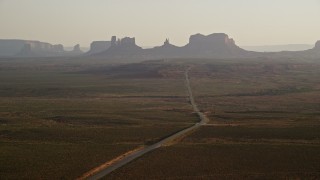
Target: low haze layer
x,y
81,22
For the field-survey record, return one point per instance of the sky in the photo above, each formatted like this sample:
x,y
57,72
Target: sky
x,y
249,22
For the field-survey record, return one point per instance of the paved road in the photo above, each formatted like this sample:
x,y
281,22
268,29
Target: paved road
x,y
203,120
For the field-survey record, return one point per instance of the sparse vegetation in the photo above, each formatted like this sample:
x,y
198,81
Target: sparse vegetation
x,y
225,161
75,115
264,124
58,121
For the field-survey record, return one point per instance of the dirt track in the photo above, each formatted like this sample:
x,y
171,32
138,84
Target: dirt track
x,y
126,158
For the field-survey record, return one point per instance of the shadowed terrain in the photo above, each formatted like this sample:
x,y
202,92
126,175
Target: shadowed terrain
x,y
60,118
74,114
264,124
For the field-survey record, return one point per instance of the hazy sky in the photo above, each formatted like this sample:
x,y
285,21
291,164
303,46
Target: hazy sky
x,y
249,22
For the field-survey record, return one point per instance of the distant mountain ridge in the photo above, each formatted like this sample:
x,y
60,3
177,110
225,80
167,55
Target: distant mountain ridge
x,y
216,45
27,48
279,48
98,47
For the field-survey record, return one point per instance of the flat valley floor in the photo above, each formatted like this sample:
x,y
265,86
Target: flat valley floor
x,y
59,118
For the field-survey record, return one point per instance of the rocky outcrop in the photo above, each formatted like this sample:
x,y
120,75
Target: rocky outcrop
x,y
99,46
167,50
58,48
211,42
315,52
200,46
113,41
317,46
122,48
77,50
37,48
218,45
213,45
126,43
26,48
11,47
167,45
26,51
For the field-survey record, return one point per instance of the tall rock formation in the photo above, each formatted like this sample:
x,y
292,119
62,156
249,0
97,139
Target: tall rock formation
x,y
217,45
167,50
122,48
37,48
213,45
113,41
315,52
26,48
199,46
10,47
77,50
98,47
26,51
317,46
213,41
58,48
126,43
